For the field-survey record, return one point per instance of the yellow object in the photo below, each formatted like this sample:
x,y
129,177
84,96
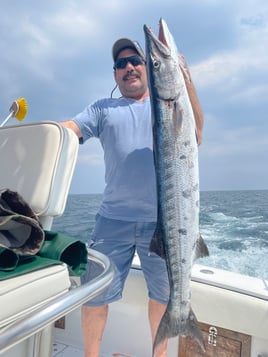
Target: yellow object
x,y
22,109
17,110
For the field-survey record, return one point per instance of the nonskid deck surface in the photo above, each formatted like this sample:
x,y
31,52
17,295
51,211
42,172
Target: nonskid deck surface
x,y
62,350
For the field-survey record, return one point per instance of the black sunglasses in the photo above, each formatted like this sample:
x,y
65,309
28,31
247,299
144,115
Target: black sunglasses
x,y
121,63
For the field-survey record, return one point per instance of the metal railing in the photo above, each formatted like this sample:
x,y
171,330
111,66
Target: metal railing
x,y
43,316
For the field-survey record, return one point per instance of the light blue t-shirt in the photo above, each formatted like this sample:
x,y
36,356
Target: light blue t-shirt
x,y
125,131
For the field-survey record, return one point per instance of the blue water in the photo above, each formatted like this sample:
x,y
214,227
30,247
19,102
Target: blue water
x,y
234,225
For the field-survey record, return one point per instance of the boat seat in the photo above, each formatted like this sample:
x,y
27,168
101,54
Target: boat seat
x,y
37,160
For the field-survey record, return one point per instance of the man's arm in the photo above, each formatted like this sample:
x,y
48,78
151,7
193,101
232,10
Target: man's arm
x,y
70,124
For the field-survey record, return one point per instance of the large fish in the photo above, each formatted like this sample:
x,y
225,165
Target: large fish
x,y
177,238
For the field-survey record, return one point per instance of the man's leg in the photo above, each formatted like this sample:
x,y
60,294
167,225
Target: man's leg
x,y
93,323
155,272
156,311
114,239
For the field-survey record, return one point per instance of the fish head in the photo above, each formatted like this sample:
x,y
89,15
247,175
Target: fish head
x,y
162,63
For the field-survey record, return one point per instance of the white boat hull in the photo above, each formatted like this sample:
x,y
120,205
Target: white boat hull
x,y
219,298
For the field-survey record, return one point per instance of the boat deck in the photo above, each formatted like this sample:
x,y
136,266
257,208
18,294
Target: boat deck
x,y
62,350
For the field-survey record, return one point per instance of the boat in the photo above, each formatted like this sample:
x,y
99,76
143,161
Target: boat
x,y
40,310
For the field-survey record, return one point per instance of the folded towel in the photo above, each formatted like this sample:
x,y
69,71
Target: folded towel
x,y
25,246
57,248
27,264
67,249
20,229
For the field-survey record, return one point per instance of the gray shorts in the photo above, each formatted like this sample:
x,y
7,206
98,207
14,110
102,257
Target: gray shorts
x,y
119,240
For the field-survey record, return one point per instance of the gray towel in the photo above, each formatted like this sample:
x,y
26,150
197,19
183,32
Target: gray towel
x,y
20,229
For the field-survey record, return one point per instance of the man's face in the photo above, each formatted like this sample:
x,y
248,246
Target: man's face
x,y
131,80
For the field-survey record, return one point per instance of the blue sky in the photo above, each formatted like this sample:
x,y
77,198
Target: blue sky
x,y
57,54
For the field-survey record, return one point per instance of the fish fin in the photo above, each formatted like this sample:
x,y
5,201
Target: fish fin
x,y
201,249
171,326
157,245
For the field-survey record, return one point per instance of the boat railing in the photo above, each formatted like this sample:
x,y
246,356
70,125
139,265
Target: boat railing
x,y
48,313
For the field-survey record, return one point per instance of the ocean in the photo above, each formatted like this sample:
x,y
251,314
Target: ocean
x,y
234,225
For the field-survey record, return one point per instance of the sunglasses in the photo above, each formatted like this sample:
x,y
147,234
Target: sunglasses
x,y
121,63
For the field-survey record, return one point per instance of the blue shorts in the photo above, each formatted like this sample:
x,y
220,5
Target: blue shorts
x,y
119,240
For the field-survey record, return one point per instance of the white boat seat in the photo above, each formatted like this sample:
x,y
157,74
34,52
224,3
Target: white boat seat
x,y
37,160
23,294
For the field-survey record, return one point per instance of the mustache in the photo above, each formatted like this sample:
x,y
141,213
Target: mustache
x,y
131,74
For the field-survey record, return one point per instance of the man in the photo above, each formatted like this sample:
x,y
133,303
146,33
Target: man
x,y
127,216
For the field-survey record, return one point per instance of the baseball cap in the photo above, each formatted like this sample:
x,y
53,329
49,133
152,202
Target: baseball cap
x,y
122,43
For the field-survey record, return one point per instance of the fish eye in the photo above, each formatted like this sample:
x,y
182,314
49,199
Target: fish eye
x,y
156,64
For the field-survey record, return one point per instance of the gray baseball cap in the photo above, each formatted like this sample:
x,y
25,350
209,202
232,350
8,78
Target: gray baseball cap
x,y
123,43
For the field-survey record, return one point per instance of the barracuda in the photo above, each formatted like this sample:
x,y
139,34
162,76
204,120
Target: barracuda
x,y
177,238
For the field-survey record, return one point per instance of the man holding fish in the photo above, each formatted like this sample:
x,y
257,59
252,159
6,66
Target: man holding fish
x,y
126,221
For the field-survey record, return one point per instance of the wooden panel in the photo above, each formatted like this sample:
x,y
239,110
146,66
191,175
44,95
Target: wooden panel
x,y
227,343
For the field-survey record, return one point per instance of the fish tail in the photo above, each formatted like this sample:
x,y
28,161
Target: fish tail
x,y
171,326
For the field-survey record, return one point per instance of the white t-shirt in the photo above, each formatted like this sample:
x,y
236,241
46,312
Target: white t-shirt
x,y
124,128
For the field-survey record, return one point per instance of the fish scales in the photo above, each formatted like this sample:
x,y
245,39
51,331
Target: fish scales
x,y
177,178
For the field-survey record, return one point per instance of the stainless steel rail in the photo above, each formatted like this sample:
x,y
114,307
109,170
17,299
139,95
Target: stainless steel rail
x,y
38,319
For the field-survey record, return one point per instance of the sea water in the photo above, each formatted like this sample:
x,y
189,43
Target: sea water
x,y
234,224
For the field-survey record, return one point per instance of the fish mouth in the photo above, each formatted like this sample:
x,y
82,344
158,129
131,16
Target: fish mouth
x,y
162,63
161,43
163,33
164,44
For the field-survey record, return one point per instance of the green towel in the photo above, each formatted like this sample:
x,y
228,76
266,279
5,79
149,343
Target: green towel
x,y
67,249
27,264
57,248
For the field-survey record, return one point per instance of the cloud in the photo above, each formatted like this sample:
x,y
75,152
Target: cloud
x,y
91,159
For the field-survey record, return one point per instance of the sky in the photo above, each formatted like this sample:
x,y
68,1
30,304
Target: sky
x,y
57,55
